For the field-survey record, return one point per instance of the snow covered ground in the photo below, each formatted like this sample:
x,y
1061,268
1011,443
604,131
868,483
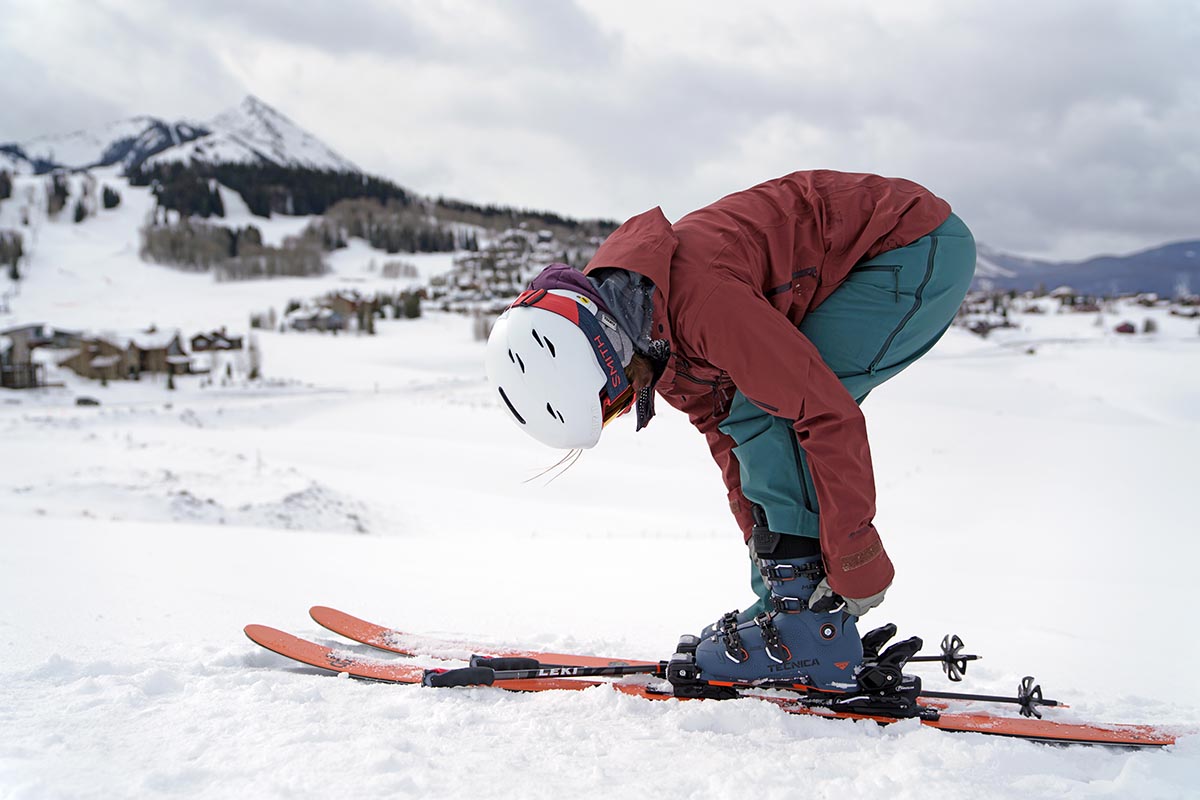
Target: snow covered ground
x,y
1040,505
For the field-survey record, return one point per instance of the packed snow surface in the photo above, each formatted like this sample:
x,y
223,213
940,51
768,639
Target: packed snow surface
x,y
1041,505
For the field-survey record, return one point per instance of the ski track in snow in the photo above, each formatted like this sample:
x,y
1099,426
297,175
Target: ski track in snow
x,y
1038,505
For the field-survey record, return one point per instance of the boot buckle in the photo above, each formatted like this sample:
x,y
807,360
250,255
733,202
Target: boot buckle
x,y
777,651
727,631
789,605
775,572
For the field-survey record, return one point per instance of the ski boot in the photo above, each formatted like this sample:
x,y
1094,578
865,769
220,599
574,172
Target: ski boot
x,y
762,542
789,644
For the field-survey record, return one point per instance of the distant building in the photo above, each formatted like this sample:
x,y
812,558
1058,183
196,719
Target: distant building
x,y
17,367
101,359
126,356
216,340
315,319
345,305
158,351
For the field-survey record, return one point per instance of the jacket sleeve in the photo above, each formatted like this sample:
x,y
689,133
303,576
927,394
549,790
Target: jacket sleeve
x,y
778,369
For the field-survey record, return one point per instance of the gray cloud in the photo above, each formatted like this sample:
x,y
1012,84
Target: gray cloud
x,y
1059,128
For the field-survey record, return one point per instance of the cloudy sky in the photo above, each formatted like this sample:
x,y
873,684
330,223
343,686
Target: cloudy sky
x,y
1062,128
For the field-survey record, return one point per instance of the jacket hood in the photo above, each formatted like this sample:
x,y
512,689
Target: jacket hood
x,y
645,244
562,276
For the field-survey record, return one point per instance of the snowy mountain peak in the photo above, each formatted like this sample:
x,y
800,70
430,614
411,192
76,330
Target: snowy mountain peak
x,y
254,132
253,117
127,142
251,133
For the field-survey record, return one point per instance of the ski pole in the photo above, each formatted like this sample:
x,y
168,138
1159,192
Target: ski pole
x,y
526,669
1029,697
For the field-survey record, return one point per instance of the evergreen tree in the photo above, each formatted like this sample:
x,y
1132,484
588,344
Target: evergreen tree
x,y
5,185
412,305
12,249
80,211
57,193
110,197
255,359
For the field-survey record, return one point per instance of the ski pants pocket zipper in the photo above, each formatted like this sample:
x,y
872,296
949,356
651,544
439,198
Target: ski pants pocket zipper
x,y
933,242
892,268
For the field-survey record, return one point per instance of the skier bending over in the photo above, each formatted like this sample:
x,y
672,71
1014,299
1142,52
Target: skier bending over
x,y
767,317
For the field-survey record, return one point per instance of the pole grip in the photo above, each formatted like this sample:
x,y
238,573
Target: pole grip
x,y
465,676
503,664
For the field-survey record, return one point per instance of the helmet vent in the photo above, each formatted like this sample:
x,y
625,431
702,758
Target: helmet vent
x,y
543,341
516,360
511,408
555,414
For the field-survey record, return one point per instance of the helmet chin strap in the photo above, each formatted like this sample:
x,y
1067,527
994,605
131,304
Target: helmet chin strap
x,y
659,353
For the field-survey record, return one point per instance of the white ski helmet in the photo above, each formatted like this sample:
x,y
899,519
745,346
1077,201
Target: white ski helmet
x,y
555,368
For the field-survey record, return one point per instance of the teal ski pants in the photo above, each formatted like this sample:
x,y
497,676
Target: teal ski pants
x,y
889,312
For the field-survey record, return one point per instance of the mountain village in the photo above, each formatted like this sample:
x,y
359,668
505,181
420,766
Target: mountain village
x,y
175,170
207,192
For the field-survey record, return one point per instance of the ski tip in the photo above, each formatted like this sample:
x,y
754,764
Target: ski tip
x,y
328,615
261,633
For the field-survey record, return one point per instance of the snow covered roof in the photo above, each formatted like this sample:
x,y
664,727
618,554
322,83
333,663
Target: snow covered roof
x,y
158,340
311,313
100,362
38,329
143,340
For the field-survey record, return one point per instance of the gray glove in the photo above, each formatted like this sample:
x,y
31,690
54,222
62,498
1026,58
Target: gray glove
x,y
824,599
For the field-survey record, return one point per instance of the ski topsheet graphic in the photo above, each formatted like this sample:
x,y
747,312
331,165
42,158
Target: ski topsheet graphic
x,y
526,670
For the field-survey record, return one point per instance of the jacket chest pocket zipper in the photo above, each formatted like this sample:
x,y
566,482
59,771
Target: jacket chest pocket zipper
x,y
719,399
895,270
808,272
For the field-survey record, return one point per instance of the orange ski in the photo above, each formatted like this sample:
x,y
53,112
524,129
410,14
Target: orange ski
x,y
1039,730
344,662
408,644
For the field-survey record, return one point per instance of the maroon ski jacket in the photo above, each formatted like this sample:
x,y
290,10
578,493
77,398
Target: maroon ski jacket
x,y
734,280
